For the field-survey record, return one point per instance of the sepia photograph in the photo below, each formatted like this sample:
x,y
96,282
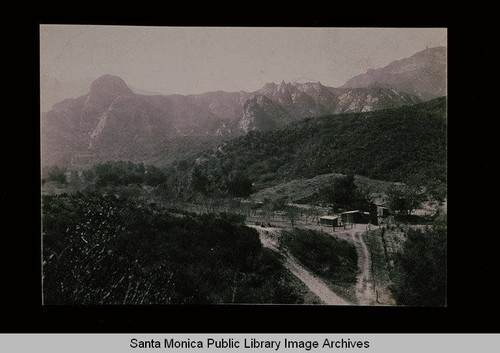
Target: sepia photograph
x,y
302,166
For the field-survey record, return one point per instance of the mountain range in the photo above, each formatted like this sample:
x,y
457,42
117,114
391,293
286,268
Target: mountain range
x,y
113,121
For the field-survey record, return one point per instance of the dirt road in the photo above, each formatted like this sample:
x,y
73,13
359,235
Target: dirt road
x,y
364,286
365,294
315,285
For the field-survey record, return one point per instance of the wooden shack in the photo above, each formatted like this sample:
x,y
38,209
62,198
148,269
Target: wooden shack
x,y
332,221
355,216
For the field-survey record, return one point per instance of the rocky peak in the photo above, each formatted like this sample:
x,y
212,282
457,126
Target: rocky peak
x,y
105,89
269,86
110,85
309,87
285,87
272,89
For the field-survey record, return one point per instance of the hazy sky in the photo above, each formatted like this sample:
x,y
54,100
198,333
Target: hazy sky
x,y
188,60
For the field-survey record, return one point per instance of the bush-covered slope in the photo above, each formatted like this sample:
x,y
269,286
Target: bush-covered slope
x,y
103,250
393,145
331,258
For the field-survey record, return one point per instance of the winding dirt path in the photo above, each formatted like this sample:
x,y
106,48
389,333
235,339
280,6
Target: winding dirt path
x,y
364,286
365,292
315,285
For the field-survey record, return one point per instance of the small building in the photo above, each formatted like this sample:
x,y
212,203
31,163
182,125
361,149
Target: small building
x,y
355,216
332,221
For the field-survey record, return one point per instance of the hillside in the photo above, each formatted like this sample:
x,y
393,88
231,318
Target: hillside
x,y
423,74
103,250
309,191
392,145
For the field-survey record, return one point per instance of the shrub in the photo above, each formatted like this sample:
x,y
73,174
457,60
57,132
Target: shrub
x,y
420,268
326,256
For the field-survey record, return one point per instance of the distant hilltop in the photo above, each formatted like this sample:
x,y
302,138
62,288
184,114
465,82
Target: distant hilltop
x,y
423,74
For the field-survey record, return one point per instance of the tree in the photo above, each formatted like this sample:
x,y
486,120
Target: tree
x,y
239,185
200,181
88,175
153,176
436,191
280,203
403,200
56,174
106,175
292,213
341,194
75,181
344,194
268,210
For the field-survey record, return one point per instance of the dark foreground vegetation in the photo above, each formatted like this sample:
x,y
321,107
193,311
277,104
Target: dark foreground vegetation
x,y
419,273
104,250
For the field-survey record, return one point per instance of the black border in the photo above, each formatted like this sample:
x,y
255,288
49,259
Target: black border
x,y
471,299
